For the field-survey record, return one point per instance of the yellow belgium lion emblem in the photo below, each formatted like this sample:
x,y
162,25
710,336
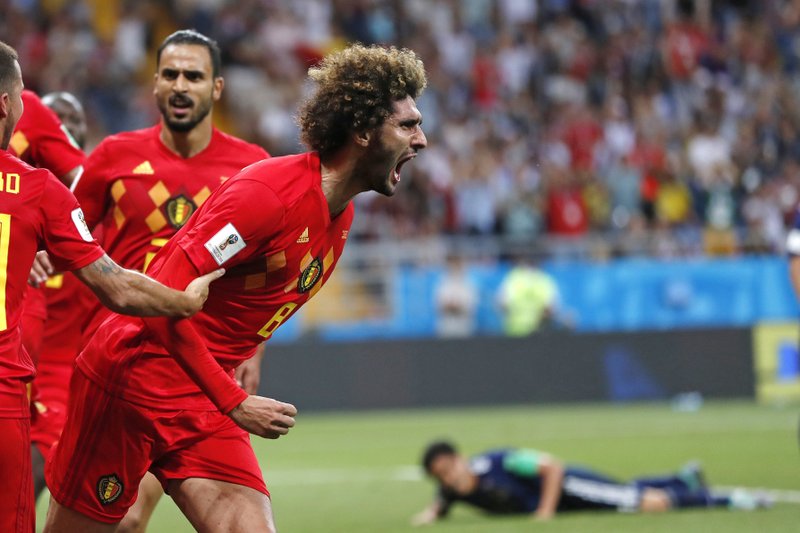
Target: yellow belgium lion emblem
x,y
310,276
179,209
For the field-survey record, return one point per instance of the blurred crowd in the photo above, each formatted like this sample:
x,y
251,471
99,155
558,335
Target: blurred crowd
x,y
669,127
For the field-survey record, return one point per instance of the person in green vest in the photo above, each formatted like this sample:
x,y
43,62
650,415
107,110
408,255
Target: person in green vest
x,y
529,299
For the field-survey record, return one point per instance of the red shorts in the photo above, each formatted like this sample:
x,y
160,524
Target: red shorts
x,y
17,509
109,443
49,404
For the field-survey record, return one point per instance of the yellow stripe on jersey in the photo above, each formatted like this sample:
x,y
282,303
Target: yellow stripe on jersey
x,y
5,236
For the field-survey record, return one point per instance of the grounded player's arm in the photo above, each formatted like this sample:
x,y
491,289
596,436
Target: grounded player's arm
x,y
132,293
551,471
531,463
429,515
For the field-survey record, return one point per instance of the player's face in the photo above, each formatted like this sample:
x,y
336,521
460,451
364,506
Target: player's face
x,y
73,119
185,88
395,143
452,472
12,103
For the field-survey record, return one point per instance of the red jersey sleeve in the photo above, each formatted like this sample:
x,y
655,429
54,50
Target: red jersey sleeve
x,y
233,225
91,187
49,144
66,237
186,346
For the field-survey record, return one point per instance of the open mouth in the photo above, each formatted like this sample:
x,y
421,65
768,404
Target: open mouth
x,y
399,166
180,106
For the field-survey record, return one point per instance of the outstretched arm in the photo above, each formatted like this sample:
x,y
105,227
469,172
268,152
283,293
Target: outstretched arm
x,y
132,293
551,471
529,463
429,515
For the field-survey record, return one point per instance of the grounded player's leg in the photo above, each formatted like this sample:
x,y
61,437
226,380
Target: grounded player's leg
x,y
37,463
654,501
150,492
63,520
212,505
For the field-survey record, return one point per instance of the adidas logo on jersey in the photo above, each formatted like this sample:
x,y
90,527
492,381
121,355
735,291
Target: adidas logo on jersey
x,y
303,236
144,168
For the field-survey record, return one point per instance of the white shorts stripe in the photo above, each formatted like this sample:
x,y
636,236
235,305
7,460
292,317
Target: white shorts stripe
x,y
621,496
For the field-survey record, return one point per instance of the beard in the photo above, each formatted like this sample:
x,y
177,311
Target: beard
x,y
374,166
188,123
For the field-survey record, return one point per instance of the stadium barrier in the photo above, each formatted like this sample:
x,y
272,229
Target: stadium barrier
x,y
551,367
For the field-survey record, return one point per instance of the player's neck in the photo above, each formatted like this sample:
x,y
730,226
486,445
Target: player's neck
x,y
186,143
338,184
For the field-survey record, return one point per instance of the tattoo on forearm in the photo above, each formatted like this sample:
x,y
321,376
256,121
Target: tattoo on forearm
x,y
106,266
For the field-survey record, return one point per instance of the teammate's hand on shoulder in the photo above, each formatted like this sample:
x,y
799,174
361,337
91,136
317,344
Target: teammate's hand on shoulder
x,y
197,290
264,417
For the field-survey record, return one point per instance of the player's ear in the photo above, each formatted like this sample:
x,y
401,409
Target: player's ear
x,y
219,84
362,138
4,105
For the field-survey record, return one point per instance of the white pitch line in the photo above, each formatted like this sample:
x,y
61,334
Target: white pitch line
x,y
777,495
322,476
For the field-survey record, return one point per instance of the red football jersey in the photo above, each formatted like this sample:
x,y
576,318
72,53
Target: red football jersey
x,y
142,193
36,212
42,141
271,229
69,301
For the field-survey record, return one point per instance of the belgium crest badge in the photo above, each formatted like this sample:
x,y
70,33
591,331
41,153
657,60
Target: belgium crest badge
x,y
310,276
109,489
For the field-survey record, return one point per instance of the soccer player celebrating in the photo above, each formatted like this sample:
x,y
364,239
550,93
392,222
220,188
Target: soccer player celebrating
x,y
159,395
41,140
68,301
524,481
140,187
37,210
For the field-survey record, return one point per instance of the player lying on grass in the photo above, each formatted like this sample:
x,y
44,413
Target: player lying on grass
x,y
524,481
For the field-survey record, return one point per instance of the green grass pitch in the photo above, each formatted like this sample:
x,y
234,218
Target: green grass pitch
x,y
357,472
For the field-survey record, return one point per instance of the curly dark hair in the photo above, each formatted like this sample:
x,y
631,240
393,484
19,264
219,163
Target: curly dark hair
x,y
355,91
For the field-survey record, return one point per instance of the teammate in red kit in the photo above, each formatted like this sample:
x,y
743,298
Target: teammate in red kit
x,y
41,140
68,303
140,187
36,210
70,112
159,395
